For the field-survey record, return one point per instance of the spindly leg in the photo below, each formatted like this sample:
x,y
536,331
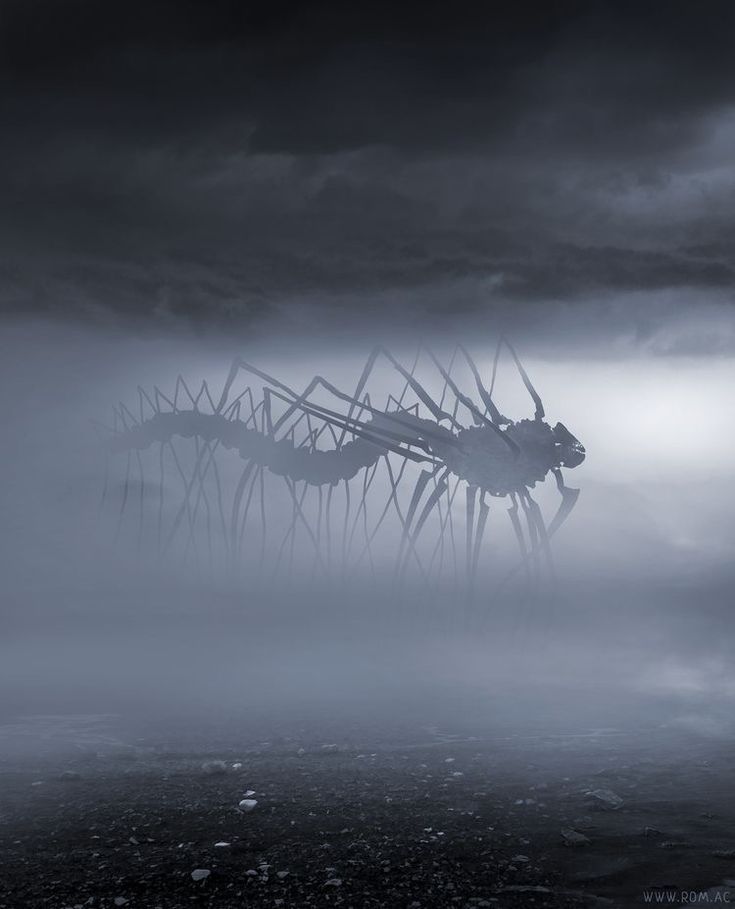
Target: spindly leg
x,y
487,400
569,498
539,414
381,437
368,477
543,535
239,492
185,507
161,488
246,509
328,525
141,499
392,499
432,501
477,416
470,497
406,539
517,529
344,529
124,499
446,522
479,533
420,391
533,535
400,427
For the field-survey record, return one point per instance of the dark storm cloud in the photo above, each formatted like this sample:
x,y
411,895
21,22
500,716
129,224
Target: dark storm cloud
x,y
222,162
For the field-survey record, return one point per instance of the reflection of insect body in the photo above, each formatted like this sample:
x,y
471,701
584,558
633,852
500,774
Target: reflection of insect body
x,y
494,457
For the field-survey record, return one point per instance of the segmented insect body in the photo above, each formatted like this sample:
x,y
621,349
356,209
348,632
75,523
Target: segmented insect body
x,y
495,456
505,462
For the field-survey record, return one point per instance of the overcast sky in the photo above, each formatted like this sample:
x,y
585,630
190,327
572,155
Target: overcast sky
x,y
372,167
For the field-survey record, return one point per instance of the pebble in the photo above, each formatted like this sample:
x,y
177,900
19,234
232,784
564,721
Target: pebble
x,y
573,837
200,874
606,799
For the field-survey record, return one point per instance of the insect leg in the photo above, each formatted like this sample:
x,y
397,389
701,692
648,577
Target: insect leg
x,y
161,459
477,416
124,500
368,477
487,400
243,522
141,499
481,522
470,497
239,492
220,505
539,414
445,522
185,506
515,521
569,498
406,539
433,500
538,518
344,529
532,533
392,499
261,562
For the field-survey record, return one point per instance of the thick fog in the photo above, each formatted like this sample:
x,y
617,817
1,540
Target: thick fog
x,y
97,619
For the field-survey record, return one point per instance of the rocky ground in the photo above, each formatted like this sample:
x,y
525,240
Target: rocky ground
x,y
591,818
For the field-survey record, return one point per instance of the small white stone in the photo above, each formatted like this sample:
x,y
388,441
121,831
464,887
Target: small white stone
x,y
247,804
200,874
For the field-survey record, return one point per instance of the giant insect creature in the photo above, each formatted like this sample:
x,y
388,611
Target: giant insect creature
x,y
494,457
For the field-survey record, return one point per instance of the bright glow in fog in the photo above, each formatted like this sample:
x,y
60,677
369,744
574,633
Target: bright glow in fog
x,y
647,419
